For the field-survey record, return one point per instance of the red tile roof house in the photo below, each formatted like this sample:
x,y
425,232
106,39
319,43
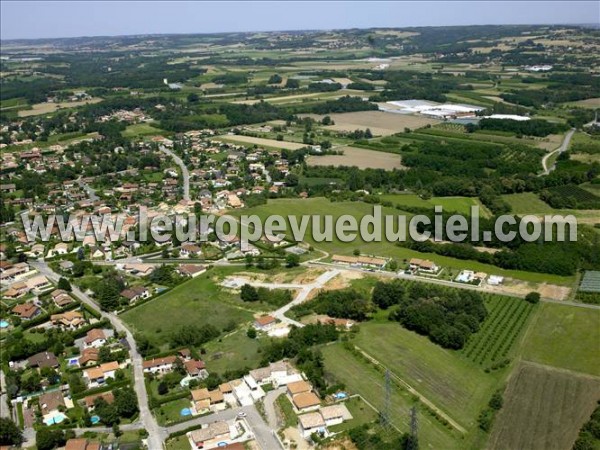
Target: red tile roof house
x,y
89,356
195,369
94,338
159,365
27,311
264,323
97,376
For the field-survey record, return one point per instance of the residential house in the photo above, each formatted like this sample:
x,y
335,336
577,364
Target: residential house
x,y
61,298
69,320
135,293
191,270
89,356
82,444
306,401
90,400
159,365
38,284
423,265
27,311
43,359
97,376
61,248
311,423
95,338
195,369
190,250
335,414
50,404
264,323
210,436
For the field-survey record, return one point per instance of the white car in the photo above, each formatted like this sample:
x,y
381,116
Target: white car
x,y
241,414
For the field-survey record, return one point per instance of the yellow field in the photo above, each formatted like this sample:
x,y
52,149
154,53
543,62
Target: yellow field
x,y
46,108
361,158
380,123
238,139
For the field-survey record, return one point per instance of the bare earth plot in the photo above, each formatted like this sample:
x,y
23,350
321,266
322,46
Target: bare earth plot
x,y
261,141
361,158
380,123
543,409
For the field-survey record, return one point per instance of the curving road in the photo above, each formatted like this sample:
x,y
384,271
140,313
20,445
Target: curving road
x,y
184,170
563,147
156,434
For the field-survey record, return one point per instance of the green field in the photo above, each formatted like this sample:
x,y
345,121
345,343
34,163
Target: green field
x,y
171,411
322,206
141,129
198,302
361,414
235,351
361,378
565,336
452,383
461,205
530,203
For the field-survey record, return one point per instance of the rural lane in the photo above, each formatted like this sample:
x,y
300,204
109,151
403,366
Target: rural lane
x,y
563,147
184,171
156,434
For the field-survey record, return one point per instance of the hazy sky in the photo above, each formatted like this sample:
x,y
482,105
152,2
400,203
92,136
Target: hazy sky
x,y
33,19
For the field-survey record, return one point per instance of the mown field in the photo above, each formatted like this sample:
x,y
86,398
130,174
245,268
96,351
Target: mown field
x,y
198,302
359,157
565,336
250,140
530,203
361,378
455,385
322,206
543,409
461,205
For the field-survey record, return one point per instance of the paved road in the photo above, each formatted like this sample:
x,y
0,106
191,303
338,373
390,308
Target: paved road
x,y
88,189
446,283
269,402
184,171
156,434
304,291
4,409
563,147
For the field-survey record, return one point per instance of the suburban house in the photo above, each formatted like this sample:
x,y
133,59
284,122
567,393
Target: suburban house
x,y
43,359
210,436
89,356
82,444
278,373
190,250
50,402
26,311
69,320
61,248
159,365
135,293
360,261
335,414
195,369
89,401
302,397
423,265
94,338
311,423
38,284
191,270
97,376
264,323
61,298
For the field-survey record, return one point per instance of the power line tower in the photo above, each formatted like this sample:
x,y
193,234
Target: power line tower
x,y
414,429
387,397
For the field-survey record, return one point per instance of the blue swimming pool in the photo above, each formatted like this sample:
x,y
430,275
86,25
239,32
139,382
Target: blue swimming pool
x,y
56,418
185,412
340,395
4,324
94,420
73,361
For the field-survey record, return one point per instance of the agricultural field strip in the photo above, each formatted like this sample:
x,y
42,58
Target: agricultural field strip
x,y
413,391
